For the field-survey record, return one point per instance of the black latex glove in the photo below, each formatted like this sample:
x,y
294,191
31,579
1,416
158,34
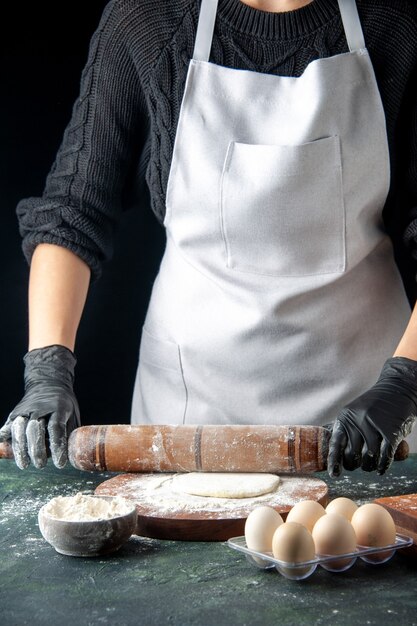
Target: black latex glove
x,y
367,431
48,407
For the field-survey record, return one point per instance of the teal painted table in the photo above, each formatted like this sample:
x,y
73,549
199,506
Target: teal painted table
x,y
154,582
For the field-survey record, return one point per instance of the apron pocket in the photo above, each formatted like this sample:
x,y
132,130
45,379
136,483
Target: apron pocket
x,y
282,209
162,389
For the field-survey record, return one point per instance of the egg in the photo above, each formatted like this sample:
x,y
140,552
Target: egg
x,y
343,506
374,527
260,527
333,534
293,543
306,513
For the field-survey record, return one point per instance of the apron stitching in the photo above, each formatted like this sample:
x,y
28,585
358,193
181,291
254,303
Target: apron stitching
x,y
221,212
184,383
343,203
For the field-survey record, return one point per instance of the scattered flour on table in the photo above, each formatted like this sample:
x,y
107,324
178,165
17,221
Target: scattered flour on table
x,y
18,534
22,506
82,508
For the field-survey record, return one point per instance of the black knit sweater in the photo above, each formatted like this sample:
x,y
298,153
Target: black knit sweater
x,y
118,145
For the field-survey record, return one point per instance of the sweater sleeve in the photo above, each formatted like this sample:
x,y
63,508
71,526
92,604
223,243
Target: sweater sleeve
x,y
82,199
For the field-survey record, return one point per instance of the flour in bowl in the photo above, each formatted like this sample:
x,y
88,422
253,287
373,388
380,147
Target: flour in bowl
x,y
83,508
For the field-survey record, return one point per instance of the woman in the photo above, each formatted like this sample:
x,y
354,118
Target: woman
x,y
277,159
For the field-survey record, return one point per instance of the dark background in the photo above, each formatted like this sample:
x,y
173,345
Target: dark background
x,y
45,47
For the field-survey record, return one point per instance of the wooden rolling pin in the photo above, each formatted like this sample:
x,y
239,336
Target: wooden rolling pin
x,y
150,448
208,448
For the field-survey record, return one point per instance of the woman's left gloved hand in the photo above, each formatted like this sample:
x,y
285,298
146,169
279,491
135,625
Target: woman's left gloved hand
x,y
367,431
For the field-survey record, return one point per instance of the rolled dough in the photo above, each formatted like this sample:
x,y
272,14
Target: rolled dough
x,y
225,485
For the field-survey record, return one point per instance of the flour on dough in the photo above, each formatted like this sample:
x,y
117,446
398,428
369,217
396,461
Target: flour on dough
x,y
230,485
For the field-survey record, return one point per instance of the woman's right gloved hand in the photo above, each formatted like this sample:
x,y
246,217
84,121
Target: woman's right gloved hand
x,y
49,408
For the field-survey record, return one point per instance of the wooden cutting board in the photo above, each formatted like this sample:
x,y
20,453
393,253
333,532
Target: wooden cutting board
x,y
164,513
404,513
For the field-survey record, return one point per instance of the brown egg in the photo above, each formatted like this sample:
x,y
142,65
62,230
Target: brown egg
x,y
343,506
333,534
293,543
374,527
260,526
306,513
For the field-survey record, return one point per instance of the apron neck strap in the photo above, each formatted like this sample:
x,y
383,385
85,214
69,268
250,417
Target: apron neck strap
x,y
351,24
207,17
205,30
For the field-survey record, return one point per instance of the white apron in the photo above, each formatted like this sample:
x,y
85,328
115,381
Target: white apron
x,y
278,299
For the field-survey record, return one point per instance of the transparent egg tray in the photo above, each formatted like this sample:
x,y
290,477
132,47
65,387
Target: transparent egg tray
x,y
304,569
